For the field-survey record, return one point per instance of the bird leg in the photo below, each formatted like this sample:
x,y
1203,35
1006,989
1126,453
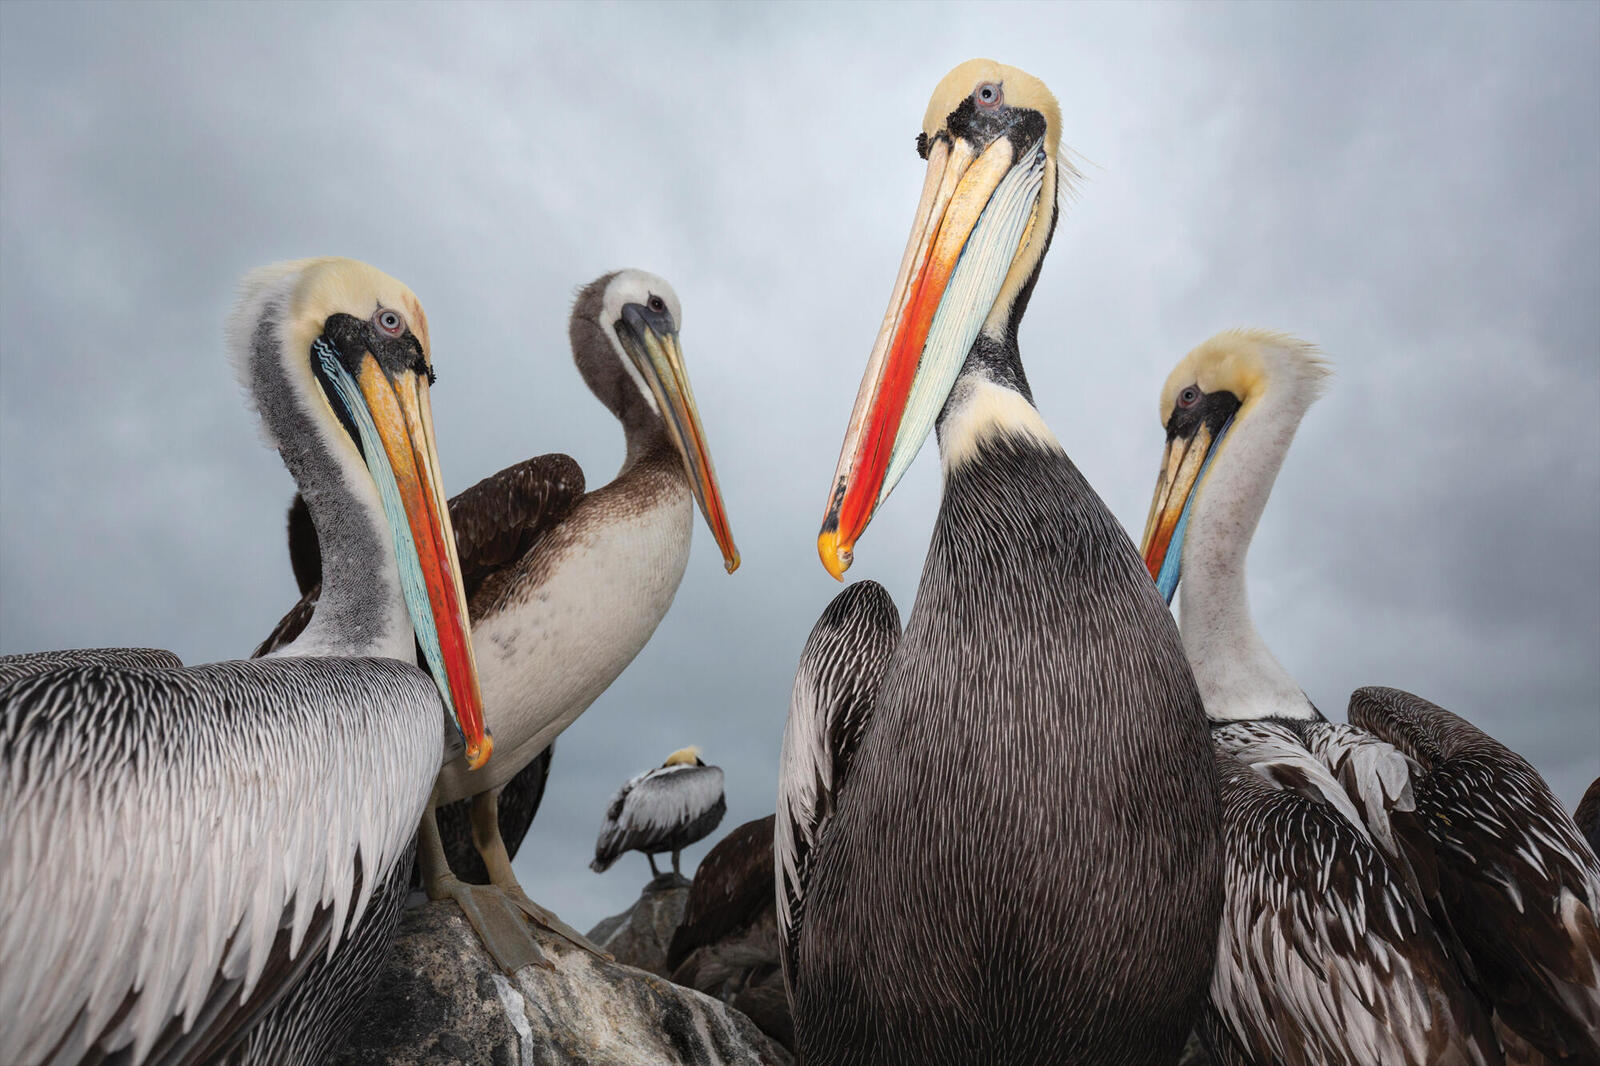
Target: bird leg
x,y
496,919
675,862
486,838
653,871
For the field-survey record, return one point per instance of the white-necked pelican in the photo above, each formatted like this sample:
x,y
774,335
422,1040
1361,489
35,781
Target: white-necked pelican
x,y
662,810
206,862
998,835
567,586
1383,873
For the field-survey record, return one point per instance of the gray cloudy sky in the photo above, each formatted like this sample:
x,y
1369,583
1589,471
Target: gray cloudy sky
x,y
1412,187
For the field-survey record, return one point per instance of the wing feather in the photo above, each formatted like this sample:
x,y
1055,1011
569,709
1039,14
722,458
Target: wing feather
x,y
835,689
496,522
1517,881
1324,957
732,888
185,819
1587,816
17,667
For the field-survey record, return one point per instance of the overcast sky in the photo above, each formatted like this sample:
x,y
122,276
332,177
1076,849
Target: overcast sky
x,y
1412,187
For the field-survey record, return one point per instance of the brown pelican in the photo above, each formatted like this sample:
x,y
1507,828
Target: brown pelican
x,y
661,810
997,836
727,943
205,863
1356,915
568,586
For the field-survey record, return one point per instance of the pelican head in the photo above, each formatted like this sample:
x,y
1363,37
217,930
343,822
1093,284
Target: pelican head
x,y
1210,396
689,756
988,208
339,349
639,316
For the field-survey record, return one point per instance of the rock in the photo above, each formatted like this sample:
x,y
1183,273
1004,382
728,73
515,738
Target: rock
x,y
640,935
441,1001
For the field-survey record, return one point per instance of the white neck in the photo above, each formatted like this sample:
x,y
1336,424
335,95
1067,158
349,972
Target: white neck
x,y
979,410
361,610
1237,676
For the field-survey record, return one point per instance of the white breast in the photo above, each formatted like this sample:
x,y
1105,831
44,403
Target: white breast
x,y
550,653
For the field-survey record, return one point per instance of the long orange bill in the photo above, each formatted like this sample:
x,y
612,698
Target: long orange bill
x,y
1183,465
405,466
975,213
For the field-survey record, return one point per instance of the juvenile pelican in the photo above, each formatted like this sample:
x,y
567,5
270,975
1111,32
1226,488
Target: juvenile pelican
x,y
205,863
1377,872
662,810
566,587
997,837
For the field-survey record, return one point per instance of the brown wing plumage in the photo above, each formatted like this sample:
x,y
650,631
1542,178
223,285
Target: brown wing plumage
x,y
1517,882
1324,957
733,886
502,517
497,522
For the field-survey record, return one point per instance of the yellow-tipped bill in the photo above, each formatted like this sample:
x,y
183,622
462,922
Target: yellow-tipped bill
x,y
430,573
976,212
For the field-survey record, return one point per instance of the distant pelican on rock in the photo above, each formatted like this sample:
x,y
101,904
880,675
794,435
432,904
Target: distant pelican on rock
x,y
662,810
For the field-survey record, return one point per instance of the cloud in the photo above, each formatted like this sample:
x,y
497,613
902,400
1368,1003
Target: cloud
x,y
1412,189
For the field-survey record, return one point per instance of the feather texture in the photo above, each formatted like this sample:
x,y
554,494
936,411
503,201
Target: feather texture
x,y
1036,738
1517,881
186,817
732,889
1324,957
835,688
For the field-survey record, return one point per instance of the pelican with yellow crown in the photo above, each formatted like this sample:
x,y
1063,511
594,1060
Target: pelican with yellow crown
x,y
661,810
997,834
1392,881
207,864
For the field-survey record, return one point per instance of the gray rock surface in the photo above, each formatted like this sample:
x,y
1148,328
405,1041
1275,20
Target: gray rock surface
x,y
640,935
442,1002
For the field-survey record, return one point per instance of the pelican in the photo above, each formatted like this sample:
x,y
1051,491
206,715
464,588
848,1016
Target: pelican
x,y
1376,870
661,810
997,836
207,862
567,586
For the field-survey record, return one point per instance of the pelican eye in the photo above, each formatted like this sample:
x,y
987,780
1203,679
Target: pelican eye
x,y
390,323
657,304
989,96
1189,397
